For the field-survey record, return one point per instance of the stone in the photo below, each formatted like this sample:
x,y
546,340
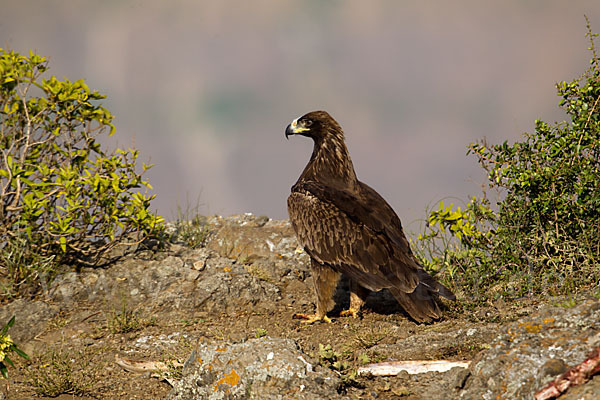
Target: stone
x,y
533,350
267,368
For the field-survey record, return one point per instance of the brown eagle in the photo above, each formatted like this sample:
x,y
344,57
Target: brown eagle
x,y
346,227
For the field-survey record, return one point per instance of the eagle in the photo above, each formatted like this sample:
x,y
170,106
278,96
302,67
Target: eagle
x,y
347,228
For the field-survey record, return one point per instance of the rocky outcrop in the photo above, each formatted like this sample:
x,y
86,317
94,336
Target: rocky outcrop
x,y
532,352
233,299
257,369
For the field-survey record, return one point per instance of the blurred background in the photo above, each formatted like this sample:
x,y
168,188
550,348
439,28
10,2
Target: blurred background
x,y
205,89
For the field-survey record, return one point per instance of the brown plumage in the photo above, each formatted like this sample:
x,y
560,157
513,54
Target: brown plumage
x,y
346,227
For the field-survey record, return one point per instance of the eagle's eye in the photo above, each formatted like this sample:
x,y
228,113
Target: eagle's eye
x,y
306,122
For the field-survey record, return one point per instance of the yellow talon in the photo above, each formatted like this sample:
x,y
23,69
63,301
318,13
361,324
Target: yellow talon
x,y
350,313
311,319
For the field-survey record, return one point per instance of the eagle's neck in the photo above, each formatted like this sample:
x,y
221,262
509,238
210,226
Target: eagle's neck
x,y
330,163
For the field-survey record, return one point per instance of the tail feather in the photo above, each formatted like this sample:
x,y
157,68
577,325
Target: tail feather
x,y
445,292
420,303
435,286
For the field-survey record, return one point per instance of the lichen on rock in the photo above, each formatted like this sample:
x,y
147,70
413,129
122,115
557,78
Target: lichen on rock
x,y
269,368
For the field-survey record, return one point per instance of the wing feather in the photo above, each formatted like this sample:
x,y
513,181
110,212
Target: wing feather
x,y
337,229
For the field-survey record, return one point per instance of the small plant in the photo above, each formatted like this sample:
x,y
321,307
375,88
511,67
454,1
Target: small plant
x,y
337,362
193,234
260,332
124,320
190,227
363,358
187,322
8,346
60,321
568,303
22,269
174,370
58,372
260,272
332,359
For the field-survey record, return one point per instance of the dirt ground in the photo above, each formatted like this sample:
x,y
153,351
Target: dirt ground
x,y
85,338
147,308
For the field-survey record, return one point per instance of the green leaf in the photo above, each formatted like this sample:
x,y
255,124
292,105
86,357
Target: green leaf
x,y
10,323
21,353
63,244
9,361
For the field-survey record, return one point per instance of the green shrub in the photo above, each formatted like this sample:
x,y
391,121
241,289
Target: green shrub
x,y
542,235
59,191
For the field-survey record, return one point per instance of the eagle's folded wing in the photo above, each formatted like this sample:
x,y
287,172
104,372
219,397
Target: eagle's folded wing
x,y
337,228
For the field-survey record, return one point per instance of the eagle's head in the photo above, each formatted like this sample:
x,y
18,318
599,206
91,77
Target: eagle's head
x,y
317,125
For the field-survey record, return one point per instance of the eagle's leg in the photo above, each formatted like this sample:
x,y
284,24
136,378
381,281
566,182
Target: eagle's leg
x,y
358,294
325,281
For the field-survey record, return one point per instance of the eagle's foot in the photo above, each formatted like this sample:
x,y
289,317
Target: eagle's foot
x,y
311,319
351,313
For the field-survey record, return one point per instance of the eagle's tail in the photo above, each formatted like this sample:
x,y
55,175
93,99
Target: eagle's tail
x,y
434,286
421,304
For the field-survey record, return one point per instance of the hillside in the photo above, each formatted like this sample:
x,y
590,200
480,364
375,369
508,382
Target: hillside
x,y
225,309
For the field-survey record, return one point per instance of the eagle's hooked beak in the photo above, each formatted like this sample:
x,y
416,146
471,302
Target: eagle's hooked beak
x,y
294,129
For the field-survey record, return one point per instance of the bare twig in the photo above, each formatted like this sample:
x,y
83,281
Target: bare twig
x,y
574,376
146,366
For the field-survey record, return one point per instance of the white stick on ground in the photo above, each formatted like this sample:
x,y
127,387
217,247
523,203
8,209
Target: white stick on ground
x,y
412,367
146,366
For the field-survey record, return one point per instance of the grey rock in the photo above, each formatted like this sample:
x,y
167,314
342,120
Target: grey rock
x,y
533,351
245,238
30,318
244,262
589,391
170,284
230,287
268,368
